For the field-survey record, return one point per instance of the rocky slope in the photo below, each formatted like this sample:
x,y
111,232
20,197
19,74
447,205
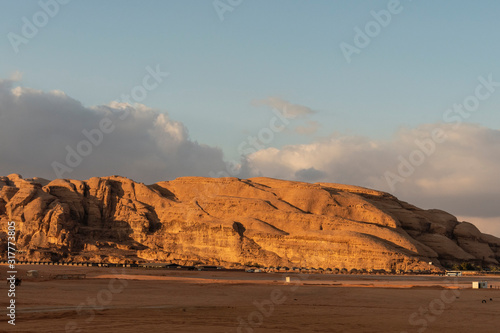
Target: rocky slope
x,y
230,221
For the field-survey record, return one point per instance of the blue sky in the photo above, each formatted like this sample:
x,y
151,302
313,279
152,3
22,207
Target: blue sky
x,y
361,117
427,58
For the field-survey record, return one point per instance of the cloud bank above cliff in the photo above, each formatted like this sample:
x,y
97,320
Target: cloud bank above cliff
x,y
51,135
459,172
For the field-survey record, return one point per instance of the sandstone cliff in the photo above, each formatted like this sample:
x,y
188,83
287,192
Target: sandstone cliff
x,y
230,221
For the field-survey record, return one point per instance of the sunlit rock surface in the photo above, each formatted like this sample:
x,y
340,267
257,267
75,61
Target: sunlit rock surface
x,y
231,222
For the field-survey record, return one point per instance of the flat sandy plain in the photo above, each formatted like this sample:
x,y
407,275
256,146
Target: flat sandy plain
x,y
139,300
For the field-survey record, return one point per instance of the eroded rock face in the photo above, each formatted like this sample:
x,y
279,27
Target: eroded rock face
x,y
230,221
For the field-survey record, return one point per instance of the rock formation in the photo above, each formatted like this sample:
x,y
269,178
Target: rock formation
x,y
231,222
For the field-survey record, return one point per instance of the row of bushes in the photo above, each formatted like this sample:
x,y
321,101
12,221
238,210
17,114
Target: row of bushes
x,y
467,266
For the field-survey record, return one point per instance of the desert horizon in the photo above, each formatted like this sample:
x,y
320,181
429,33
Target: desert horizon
x,y
174,300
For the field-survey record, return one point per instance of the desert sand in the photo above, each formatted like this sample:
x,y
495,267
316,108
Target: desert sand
x,y
140,300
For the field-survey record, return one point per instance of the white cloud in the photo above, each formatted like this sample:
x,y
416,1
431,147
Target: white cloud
x,y
288,109
36,127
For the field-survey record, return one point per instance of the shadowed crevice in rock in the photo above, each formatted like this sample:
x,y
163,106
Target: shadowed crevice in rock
x,y
239,228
